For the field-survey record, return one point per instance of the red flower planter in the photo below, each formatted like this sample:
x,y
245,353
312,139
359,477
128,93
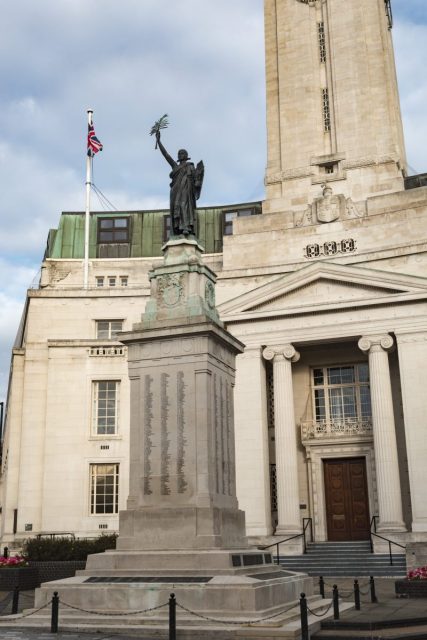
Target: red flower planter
x,y
411,588
24,578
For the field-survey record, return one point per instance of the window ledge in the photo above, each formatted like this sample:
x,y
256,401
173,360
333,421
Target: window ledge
x,y
105,437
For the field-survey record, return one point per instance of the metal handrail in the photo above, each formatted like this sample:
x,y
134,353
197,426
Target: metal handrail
x,y
390,542
305,523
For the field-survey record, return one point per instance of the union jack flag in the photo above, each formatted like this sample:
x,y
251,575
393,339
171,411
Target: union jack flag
x,y
93,144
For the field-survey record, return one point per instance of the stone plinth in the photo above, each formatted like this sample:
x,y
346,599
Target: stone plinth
x,y
182,469
182,288
182,490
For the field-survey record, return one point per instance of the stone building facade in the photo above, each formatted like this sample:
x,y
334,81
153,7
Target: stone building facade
x,y
325,282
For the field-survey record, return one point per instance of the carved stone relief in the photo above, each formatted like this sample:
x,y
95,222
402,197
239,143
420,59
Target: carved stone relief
x,y
330,248
354,211
304,218
329,207
170,289
210,294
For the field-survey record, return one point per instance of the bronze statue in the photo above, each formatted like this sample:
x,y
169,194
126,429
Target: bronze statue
x,y
186,185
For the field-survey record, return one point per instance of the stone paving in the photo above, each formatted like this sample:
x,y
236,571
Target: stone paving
x,y
389,607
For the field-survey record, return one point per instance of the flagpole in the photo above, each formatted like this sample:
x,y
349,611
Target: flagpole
x,y
87,216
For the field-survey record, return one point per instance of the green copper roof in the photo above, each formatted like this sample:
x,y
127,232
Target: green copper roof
x,y
147,229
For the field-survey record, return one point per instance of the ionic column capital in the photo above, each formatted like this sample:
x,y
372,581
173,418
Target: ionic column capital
x,y
370,344
286,351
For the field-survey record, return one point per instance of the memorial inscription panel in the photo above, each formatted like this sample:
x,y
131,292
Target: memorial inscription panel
x,y
165,435
181,439
148,433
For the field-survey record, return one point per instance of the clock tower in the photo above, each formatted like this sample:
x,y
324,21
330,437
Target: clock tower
x,y
333,112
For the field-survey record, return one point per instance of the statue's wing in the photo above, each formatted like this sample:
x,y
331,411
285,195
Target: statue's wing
x,y
198,178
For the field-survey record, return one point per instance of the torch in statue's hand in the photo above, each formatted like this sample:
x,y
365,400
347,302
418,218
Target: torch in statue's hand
x,y
162,123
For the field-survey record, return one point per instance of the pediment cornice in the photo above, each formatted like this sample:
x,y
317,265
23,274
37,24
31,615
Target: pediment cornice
x,y
323,285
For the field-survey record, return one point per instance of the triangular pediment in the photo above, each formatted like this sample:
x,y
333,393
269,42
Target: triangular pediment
x,y
326,290
321,285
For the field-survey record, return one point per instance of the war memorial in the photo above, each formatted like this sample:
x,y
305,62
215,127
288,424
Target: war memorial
x,y
235,376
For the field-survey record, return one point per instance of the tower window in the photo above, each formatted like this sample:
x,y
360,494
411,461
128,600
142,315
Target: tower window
x,y
322,44
389,13
326,110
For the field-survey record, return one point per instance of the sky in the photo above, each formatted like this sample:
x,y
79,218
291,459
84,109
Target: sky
x,y
131,61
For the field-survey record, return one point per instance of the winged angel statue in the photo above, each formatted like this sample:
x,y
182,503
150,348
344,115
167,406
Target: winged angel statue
x,y
185,187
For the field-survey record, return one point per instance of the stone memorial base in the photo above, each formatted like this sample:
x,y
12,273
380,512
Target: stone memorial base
x,y
233,585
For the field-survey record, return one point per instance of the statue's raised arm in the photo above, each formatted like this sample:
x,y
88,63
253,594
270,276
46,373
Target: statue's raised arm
x,y
165,154
185,187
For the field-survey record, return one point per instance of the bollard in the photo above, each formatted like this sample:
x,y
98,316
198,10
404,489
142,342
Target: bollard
x,y
322,587
335,598
356,595
172,617
374,598
5,552
15,600
55,613
304,617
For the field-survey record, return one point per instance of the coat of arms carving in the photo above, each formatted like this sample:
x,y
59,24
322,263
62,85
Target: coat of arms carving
x,y
170,289
330,207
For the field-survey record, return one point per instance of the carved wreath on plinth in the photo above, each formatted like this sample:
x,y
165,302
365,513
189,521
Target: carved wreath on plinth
x,y
170,289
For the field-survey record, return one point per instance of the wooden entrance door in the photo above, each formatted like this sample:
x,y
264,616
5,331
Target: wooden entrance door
x,y
347,504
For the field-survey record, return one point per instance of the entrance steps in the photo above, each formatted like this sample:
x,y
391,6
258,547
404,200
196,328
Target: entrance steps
x,y
345,559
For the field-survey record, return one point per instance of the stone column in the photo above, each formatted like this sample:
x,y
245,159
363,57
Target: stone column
x,y
285,438
412,348
385,447
251,430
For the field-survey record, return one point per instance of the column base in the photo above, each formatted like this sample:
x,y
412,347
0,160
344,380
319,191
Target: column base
x,y
288,530
384,528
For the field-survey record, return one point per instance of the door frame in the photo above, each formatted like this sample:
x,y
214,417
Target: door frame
x,y
315,456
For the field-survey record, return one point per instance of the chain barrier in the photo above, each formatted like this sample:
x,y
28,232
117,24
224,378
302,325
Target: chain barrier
x,y
320,615
26,615
107,613
241,622
365,593
327,584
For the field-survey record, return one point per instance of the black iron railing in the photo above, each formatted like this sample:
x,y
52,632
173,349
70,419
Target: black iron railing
x,y
306,523
373,526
